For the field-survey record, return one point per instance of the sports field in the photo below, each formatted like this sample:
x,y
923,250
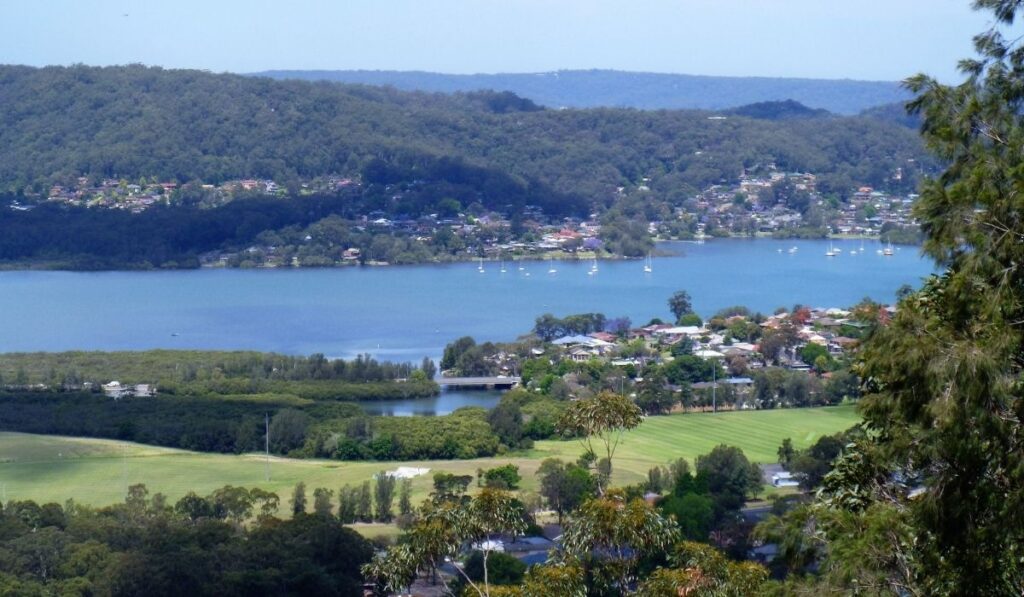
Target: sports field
x,y
97,472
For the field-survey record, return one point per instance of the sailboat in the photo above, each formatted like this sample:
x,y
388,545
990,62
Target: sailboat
x,y
792,250
649,264
502,270
552,270
480,268
888,250
593,268
831,252
862,245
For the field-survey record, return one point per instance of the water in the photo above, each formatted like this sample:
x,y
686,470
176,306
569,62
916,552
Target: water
x,y
408,312
446,402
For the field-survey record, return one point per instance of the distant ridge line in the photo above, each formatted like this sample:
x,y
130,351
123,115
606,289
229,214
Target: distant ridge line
x,y
624,89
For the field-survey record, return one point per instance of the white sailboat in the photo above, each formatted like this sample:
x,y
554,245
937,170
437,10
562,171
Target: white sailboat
x,y
888,250
502,270
831,252
792,250
649,264
552,270
480,268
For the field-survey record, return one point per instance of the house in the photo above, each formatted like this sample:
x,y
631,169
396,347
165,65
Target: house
x,y
115,390
604,336
144,390
581,355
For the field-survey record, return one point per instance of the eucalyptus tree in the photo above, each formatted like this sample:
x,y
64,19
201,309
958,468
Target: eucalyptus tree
x,y
610,535
445,530
604,418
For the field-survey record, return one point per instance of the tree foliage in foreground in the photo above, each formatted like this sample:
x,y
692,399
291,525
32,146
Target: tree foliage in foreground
x,y
197,546
932,501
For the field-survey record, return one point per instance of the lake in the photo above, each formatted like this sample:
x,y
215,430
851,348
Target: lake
x,y
408,312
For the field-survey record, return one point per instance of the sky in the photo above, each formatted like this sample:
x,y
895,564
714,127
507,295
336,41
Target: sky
x,y
862,39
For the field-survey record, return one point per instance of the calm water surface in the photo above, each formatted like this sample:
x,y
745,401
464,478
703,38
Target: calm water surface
x,y
442,404
409,312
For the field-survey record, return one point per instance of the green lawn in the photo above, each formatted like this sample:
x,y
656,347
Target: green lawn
x,y
93,471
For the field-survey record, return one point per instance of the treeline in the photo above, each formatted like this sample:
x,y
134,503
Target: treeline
x,y
182,368
202,424
196,546
237,424
61,122
465,433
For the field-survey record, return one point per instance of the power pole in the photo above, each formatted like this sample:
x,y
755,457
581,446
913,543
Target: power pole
x,y
714,387
267,443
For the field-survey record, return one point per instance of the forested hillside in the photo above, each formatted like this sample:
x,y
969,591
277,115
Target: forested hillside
x,y
130,122
648,91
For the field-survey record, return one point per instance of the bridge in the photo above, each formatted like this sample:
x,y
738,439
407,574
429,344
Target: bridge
x,y
479,382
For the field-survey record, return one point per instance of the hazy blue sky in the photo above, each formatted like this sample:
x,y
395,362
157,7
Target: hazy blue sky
x,y
861,39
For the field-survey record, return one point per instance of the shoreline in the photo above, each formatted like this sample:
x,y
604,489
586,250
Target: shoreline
x,y
50,266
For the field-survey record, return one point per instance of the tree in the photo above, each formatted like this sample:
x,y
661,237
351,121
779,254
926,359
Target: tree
x,y
322,501
812,351
405,497
454,350
657,478
507,422
730,477
564,486
697,569
443,532
605,417
622,532
348,504
692,511
786,453
384,496
449,487
288,430
679,304
811,465
503,477
364,506
653,395
299,498
502,568
943,378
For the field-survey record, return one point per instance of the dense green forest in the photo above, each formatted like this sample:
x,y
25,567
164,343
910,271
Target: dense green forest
x,y
129,122
197,546
413,154
646,91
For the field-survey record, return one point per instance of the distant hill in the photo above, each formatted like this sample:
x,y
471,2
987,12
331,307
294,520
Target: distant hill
x,y
894,113
784,110
57,123
647,91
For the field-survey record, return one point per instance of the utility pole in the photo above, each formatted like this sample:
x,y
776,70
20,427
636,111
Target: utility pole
x,y
267,443
714,386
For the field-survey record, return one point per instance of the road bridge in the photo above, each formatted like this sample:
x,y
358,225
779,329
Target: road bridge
x,y
479,382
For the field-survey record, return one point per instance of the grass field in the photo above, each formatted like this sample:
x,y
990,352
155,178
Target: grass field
x,y
97,472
